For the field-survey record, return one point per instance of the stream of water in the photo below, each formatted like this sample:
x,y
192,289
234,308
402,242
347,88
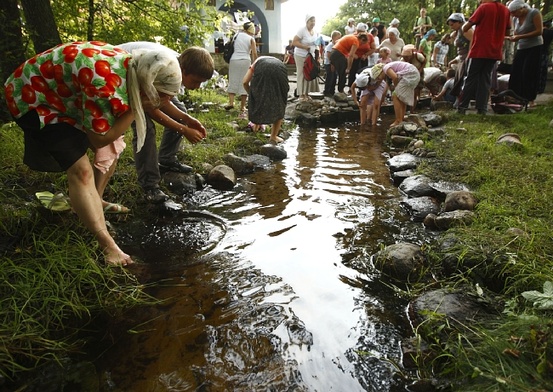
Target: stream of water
x,y
281,294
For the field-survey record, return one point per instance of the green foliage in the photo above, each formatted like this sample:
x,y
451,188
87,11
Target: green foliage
x,y
174,24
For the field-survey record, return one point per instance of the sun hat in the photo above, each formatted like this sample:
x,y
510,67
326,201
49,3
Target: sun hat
x,y
362,27
351,20
376,20
456,17
394,21
516,5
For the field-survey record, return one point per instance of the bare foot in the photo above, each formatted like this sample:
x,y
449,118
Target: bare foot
x,y
277,140
116,257
394,123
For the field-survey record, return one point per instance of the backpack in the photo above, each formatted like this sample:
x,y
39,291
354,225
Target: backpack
x,y
507,102
311,67
228,49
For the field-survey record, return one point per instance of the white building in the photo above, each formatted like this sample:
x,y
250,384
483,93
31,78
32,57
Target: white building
x,y
266,16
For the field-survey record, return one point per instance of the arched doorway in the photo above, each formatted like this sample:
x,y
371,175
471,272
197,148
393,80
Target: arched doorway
x,y
258,19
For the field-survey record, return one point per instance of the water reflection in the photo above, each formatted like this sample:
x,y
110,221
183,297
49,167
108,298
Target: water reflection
x,y
284,302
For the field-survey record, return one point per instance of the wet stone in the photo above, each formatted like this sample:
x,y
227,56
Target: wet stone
x,y
222,177
417,186
238,164
273,152
180,183
403,162
420,207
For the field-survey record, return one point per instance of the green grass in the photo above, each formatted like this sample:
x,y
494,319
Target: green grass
x,y
514,186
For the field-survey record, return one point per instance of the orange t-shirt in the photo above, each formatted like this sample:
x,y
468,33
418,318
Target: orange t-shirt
x,y
344,44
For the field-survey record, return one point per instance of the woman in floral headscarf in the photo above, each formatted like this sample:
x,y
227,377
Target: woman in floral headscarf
x,y
306,41
85,95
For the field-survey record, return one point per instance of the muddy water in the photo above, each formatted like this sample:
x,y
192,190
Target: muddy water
x,y
279,294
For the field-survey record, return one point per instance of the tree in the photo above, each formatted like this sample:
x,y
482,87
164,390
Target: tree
x,y
172,23
40,24
11,44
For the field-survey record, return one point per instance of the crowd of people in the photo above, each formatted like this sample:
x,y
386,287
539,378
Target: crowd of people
x,y
64,109
508,43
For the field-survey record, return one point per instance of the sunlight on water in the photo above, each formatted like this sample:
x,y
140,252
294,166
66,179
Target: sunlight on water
x,y
282,296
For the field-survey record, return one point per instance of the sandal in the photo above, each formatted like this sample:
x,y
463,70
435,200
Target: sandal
x,y
58,202
228,107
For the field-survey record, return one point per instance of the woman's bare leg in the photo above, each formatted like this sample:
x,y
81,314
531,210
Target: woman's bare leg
x,y
275,130
399,110
86,202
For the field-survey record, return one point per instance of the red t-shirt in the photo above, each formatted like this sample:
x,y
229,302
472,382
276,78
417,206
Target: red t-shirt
x,y
364,48
491,21
344,44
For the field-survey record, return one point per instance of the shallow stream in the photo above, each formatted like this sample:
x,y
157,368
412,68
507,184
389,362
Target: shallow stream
x,y
280,293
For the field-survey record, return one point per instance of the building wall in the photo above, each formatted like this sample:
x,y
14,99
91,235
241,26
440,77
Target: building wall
x,y
270,21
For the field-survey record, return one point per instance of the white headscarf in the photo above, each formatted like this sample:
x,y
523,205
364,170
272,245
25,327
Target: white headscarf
x,y
394,31
151,71
308,16
515,5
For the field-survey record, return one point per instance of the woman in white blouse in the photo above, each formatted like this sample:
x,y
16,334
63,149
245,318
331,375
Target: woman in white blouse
x,y
245,52
305,41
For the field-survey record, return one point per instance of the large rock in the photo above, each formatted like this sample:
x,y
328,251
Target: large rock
x,y
460,200
403,162
400,260
420,207
180,183
238,164
417,186
222,177
275,153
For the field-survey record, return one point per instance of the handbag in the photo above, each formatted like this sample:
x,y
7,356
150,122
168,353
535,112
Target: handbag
x,y
311,68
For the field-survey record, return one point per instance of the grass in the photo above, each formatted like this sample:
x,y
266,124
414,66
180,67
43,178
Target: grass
x,y
514,187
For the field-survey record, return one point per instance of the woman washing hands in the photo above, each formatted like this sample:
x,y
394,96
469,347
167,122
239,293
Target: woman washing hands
x,y
85,95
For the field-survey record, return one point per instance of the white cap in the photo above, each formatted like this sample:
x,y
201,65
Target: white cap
x,y
394,21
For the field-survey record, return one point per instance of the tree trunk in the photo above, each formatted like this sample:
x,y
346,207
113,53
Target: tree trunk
x,y
41,24
11,47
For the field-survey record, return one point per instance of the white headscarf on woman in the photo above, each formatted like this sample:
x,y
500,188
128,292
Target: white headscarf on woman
x,y
393,30
151,71
308,16
515,5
